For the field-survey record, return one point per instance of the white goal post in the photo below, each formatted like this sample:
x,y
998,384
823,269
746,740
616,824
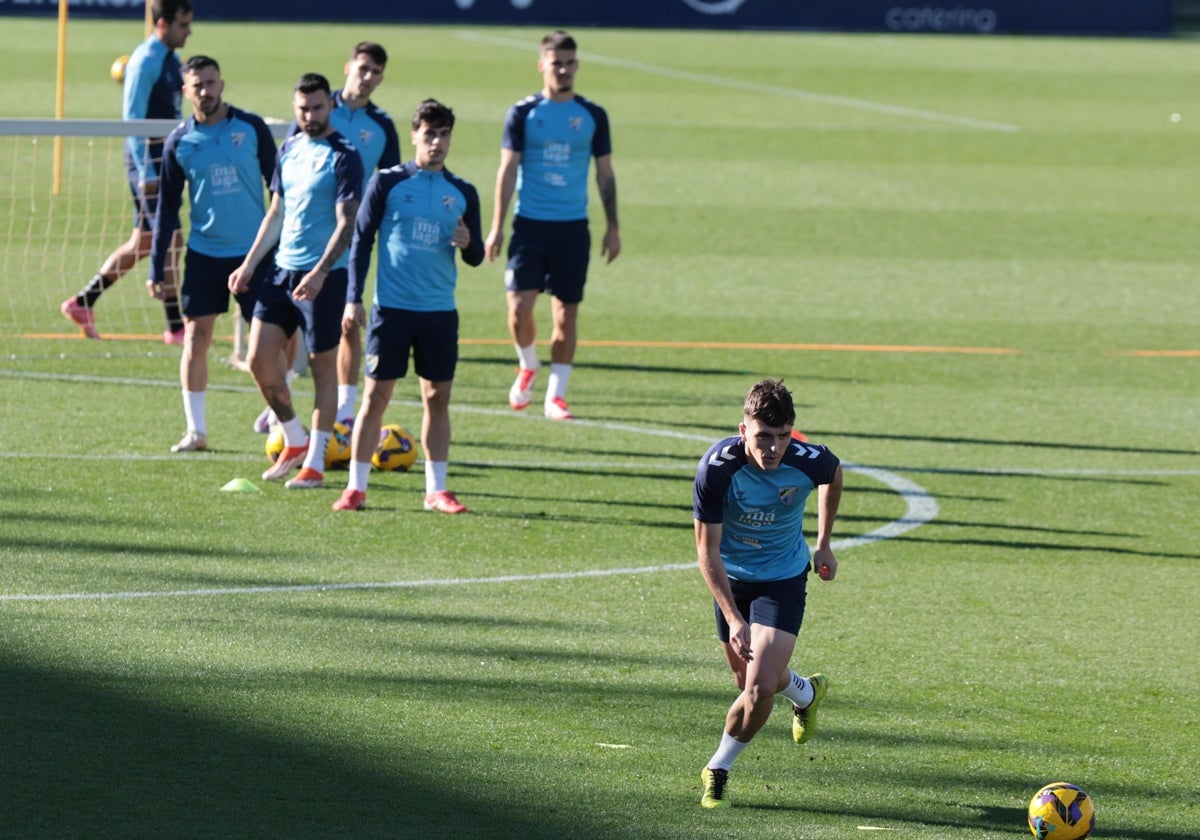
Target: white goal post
x,y
52,243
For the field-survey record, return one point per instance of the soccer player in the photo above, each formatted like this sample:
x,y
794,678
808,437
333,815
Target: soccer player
x,y
153,79
422,213
748,505
373,133
549,141
225,157
314,197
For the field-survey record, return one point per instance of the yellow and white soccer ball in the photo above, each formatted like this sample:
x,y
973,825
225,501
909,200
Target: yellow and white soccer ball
x,y
1061,811
117,71
337,452
397,449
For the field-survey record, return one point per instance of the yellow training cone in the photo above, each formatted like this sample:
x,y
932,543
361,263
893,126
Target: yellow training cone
x,y
239,485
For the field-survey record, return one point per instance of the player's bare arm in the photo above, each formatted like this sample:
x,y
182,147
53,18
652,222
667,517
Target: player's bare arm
x,y
606,181
829,496
712,569
310,286
506,185
268,237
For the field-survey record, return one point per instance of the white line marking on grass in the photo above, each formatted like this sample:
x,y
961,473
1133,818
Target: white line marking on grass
x,y
774,90
922,508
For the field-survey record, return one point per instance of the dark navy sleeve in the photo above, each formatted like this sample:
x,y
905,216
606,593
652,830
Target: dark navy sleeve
x,y
277,177
514,125
349,170
602,139
473,254
714,474
814,460
170,198
266,146
391,148
366,225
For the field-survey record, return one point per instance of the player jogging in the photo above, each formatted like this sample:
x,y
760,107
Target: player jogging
x,y
748,506
422,214
224,157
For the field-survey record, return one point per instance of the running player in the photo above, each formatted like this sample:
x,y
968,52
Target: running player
x,y
748,506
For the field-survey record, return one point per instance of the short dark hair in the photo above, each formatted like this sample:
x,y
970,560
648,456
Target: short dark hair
x,y
559,39
168,10
434,114
771,404
377,53
200,62
311,83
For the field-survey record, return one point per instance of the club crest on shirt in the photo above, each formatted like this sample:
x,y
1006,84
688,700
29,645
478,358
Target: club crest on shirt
x,y
448,202
787,495
237,138
365,135
576,123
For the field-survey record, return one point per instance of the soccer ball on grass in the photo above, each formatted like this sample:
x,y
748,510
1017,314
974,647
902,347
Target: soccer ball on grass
x,y
397,449
1061,811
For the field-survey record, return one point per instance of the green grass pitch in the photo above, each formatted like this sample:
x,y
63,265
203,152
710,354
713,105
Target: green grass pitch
x,y
974,260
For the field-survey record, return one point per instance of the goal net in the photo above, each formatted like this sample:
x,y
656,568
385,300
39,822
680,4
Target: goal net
x,y
65,205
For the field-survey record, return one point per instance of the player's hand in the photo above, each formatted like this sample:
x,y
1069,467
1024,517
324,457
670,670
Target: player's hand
x,y
462,235
493,244
353,317
309,287
825,563
739,640
239,279
155,290
611,246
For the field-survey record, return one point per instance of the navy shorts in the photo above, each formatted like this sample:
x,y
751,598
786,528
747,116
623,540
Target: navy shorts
x,y
549,256
320,319
144,206
431,336
206,285
772,603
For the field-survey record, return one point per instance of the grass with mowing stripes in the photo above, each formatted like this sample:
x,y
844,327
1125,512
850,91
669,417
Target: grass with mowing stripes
x,y
776,189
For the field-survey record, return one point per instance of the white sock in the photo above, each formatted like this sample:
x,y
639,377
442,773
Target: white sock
x,y
527,356
359,471
293,432
727,752
193,410
435,476
347,397
317,443
799,690
560,375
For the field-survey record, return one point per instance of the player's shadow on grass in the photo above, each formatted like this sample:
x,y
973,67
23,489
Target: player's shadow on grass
x,y
91,755
1008,444
740,373
1016,545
